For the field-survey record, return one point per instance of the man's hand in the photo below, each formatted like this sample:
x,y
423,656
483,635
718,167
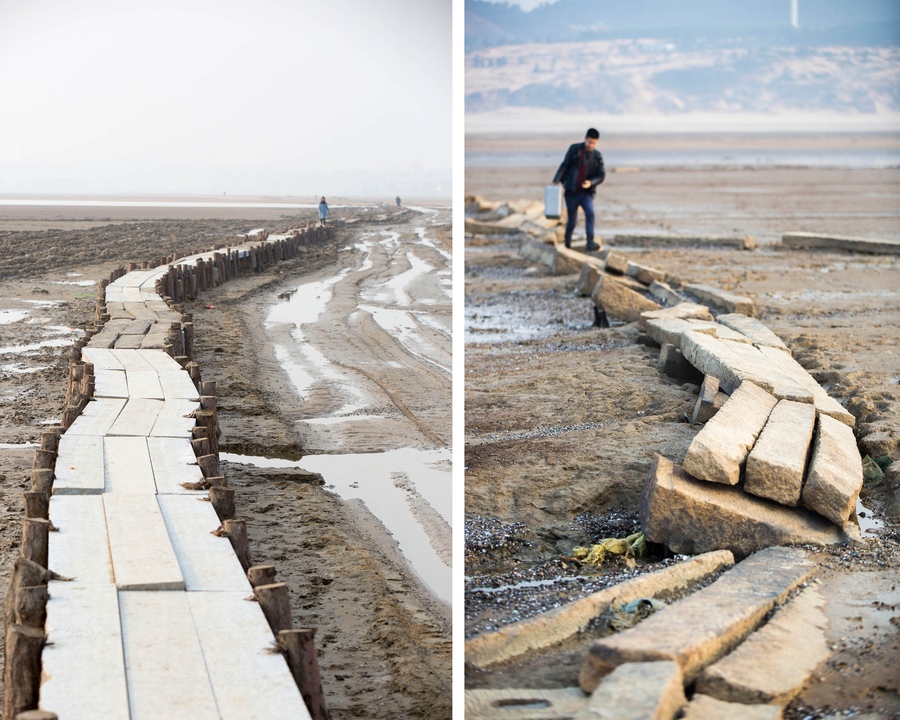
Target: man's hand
x,y
586,184
554,183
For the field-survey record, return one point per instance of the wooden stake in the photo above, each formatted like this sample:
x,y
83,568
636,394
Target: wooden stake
x,y
212,482
209,466
276,605
30,606
25,573
299,648
200,446
37,715
222,499
35,539
37,505
22,676
236,530
50,441
42,481
208,387
261,575
44,459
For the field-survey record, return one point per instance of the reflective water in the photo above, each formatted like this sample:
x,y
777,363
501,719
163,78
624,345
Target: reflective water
x,y
378,480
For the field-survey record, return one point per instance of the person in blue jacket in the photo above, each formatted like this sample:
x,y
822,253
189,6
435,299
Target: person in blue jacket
x,y
323,211
580,174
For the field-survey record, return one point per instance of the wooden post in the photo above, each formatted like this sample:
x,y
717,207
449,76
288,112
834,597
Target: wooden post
x,y
30,606
236,530
69,414
299,648
22,676
43,460
207,419
222,499
261,575
37,505
276,605
208,387
42,481
218,481
35,539
25,573
209,465
200,446
208,402
37,715
194,371
50,441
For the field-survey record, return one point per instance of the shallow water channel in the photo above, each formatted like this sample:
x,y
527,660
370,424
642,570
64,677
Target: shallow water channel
x,y
382,321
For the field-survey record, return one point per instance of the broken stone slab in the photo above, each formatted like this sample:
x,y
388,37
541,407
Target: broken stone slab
x,y
751,328
620,302
545,254
487,228
709,401
692,516
723,332
701,628
524,704
837,242
774,663
680,311
835,472
663,291
787,384
643,273
777,461
671,330
616,263
824,403
672,363
741,243
730,301
637,691
703,707
718,452
587,280
561,623
881,438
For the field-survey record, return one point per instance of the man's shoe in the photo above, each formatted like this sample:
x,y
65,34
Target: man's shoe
x,y
591,246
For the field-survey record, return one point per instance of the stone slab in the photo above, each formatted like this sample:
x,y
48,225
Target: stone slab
x,y
137,417
777,461
644,274
137,327
144,384
774,663
786,382
561,623
132,360
837,242
616,263
207,562
638,691
79,465
129,342
173,463
126,465
132,294
703,707
83,666
729,301
835,472
164,663
692,516
741,243
751,328
175,419
587,280
663,291
722,360
699,629
160,361
98,417
248,680
671,330
101,359
80,548
718,452
619,301
680,311
142,554
177,385
524,704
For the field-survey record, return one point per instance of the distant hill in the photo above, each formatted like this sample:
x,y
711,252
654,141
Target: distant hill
x,y
760,22
662,56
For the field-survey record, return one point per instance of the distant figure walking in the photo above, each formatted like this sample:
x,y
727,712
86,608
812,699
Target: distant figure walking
x,y
580,173
323,211
398,201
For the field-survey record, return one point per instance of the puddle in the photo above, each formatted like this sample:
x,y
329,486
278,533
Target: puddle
x,y
80,283
519,585
17,446
338,420
20,369
10,316
868,523
22,349
372,478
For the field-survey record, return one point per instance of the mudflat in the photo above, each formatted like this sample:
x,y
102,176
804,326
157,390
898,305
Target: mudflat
x,y
563,418
383,638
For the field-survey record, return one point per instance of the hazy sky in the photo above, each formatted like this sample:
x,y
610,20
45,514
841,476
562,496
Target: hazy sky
x,y
335,97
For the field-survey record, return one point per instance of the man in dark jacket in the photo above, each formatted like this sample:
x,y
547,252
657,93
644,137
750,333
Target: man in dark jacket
x,y
580,173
